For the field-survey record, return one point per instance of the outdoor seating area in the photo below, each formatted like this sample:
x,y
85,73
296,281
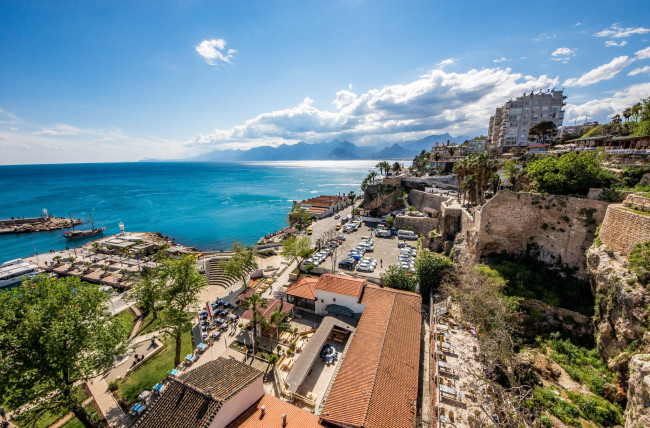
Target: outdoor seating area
x,y
329,354
458,389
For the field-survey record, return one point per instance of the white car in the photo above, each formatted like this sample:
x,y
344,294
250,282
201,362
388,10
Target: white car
x,y
366,268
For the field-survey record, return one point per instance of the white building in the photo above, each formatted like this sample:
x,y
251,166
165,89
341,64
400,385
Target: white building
x,y
510,124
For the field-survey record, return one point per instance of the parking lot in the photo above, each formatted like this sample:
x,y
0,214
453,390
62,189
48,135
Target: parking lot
x,y
385,252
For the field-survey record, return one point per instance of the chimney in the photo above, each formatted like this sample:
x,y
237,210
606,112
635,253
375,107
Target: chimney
x,y
263,409
284,421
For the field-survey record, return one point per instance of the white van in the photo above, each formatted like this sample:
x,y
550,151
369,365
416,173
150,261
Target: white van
x,y
406,234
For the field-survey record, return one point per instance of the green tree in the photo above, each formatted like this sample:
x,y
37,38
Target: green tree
x,y
254,302
572,173
276,323
542,132
352,196
400,279
184,281
397,167
430,268
298,216
383,166
54,335
241,263
298,248
390,220
148,291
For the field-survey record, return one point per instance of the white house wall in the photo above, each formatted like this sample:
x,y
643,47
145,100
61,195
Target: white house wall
x,y
238,404
324,298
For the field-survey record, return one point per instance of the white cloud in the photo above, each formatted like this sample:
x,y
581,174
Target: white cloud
x,y
8,118
544,36
645,69
498,60
603,72
445,62
643,53
437,101
213,52
563,54
605,108
615,31
612,43
577,24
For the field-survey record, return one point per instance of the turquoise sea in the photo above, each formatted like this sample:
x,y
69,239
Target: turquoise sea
x,y
205,205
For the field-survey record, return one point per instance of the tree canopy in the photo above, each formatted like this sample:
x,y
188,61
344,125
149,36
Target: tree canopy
x,y
430,267
298,216
296,247
400,279
572,173
54,334
542,132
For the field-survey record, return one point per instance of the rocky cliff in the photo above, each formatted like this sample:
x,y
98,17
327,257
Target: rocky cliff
x,y
637,412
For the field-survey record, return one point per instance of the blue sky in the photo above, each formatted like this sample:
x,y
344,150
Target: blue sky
x,y
112,81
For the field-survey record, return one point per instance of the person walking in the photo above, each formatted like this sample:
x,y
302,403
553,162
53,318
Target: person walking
x,y
381,262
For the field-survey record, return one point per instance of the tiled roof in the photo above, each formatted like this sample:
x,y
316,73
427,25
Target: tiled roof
x,y
180,407
317,209
341,284
324,200
378,380
226,377
303,287
272,306
185,402
275,408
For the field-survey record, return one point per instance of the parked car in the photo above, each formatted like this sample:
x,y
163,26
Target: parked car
x,y
366,268
336,217
347,264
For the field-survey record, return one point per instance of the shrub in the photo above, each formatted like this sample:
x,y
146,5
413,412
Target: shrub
x,y
114,385
611,195
640,261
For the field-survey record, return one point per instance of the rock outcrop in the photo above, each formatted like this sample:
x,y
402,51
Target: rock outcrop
x,y
621,306
637,413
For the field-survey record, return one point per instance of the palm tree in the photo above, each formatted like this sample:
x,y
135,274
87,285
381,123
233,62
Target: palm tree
x,y
397,167
352,196
372,176
383,166
253,302
276,323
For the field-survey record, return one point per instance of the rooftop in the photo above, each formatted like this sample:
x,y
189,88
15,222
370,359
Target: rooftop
x,y
273,411
377,384
341,284
303,287
324,200
193,400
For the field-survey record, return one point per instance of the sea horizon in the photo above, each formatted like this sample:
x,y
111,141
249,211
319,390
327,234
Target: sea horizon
x,y
207,205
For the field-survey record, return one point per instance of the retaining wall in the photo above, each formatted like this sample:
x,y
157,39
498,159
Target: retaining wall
x,y
624,228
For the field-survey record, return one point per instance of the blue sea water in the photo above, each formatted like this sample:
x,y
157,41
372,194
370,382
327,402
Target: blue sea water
x,y
205,205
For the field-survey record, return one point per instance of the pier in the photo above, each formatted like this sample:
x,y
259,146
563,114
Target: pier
x,y
36,224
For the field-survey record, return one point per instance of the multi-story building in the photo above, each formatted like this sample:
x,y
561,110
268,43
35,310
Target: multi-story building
x,y
576,129
510,124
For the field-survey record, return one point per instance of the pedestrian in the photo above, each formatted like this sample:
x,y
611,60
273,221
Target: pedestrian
x,y
3,414
381,262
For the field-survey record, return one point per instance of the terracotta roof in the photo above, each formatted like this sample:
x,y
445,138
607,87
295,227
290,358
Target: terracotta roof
x,y
377,383
273,412
303,287
341,284
317,209
272,305
185,402
180,407
226,377
537,146
324,200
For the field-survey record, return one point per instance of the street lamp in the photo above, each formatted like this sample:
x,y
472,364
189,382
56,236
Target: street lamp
x,y
36,252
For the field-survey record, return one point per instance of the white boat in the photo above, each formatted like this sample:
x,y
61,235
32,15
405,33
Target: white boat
x,y
13,271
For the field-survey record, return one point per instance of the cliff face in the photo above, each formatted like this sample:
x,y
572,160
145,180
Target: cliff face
x,y
621,306
637,412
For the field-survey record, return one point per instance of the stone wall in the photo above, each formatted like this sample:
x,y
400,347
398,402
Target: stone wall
x,y
558,229
622,229
17,221
540,318
419,225
637,202
421,200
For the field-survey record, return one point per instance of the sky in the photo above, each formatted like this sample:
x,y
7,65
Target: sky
x,y
104,81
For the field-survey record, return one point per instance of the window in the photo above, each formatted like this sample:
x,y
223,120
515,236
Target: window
x,y
545,108
334,300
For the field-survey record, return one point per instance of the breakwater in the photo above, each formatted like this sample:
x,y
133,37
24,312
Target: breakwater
x,y
35,224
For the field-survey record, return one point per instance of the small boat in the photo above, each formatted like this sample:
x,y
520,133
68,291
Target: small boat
x,y
74,234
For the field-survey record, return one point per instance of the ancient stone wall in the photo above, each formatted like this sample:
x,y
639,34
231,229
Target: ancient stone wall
x,y
421,200
558,229
541,318
637,202
419,225
623,228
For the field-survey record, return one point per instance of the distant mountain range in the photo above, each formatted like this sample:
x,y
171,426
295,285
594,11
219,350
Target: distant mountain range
x,y
332,150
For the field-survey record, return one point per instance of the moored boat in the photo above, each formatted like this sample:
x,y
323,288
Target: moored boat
x,y
74,234
13,271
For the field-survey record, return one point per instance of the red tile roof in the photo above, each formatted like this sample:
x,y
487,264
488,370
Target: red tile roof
x,y
341,284
275,408
303,287
324,200
377,383
272,305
